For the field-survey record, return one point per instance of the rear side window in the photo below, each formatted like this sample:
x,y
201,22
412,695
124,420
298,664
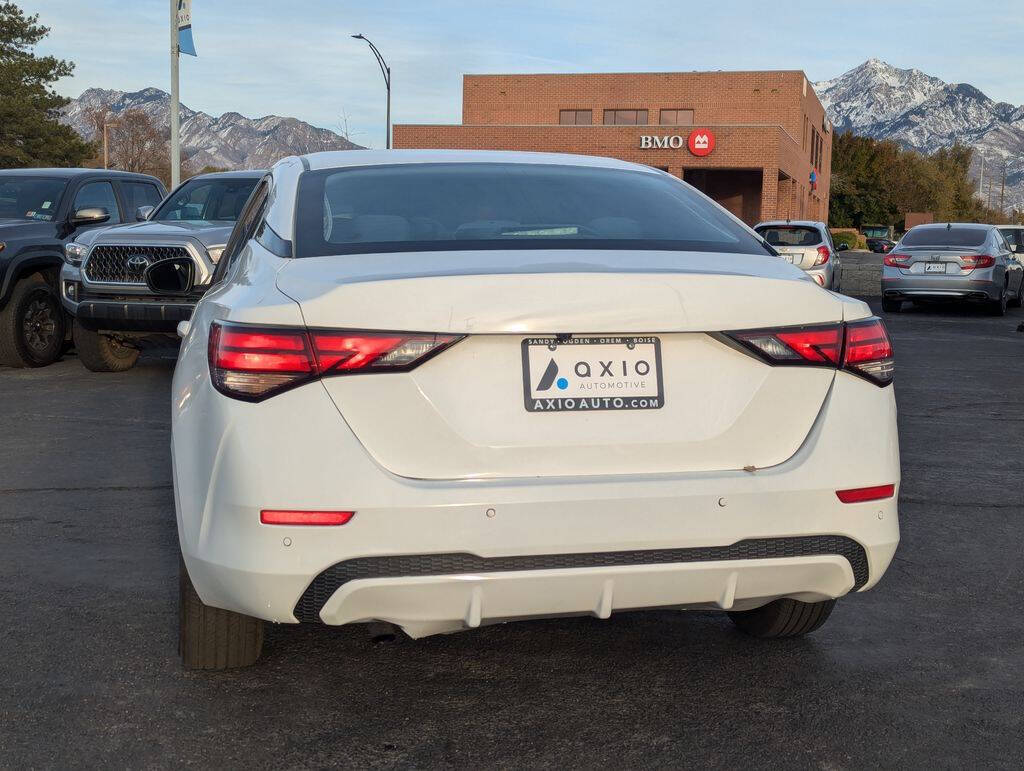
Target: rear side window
x,y
945,236
140,194
472,206
790,235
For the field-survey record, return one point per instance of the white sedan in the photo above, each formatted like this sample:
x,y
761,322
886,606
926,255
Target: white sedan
x,y
447,389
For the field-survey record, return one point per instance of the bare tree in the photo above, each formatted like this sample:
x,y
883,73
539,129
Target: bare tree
x,y
137,144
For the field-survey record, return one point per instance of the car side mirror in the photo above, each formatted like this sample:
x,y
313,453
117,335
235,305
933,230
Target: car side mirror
x,y
176,276
143,212
842,247
90,216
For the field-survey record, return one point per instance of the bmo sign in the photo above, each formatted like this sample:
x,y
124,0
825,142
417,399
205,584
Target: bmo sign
x,y
701,142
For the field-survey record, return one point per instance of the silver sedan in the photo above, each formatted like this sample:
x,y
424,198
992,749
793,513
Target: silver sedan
x,y
953,261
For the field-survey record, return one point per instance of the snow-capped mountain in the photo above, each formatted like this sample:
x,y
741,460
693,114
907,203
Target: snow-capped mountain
x,y
230,141
926,113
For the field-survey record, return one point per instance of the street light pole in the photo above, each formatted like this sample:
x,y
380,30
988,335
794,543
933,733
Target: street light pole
x,y
386,72
175,114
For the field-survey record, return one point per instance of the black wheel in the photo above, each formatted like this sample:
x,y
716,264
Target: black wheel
x,y
212,638
783,618
102,353
998,307
1016,302
32,325
892,306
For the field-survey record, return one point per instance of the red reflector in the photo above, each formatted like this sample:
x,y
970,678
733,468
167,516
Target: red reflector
x,y
274,517
861,494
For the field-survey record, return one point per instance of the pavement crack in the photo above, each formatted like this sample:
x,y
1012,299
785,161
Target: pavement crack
x,y
83,489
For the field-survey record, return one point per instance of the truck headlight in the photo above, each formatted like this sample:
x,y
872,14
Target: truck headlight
x,y
74,252
215,254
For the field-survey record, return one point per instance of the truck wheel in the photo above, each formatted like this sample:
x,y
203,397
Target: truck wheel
x,y
783,618
102,353
32,325
212,638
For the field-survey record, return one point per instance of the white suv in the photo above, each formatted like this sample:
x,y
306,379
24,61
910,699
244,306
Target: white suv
x,y
446,389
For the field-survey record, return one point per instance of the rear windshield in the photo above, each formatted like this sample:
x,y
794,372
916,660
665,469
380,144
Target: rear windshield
x,y
206,200
790,235
468,206
953,236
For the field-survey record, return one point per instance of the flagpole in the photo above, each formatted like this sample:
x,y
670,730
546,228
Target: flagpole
x,y
175,115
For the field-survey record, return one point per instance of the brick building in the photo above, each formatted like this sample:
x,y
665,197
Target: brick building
x,y
750,140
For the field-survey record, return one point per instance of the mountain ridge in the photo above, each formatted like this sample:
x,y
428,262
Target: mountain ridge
x,y
230,141
924,113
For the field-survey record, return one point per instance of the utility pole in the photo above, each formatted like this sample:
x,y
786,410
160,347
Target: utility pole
x,y
106,125
175,115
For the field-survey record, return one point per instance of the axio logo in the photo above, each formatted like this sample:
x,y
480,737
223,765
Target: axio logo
x,y
548,378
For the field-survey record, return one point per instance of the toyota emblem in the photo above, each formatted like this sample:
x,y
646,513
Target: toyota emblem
x,y
138,262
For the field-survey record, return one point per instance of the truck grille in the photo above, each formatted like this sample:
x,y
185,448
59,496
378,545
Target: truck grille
x,y
110,264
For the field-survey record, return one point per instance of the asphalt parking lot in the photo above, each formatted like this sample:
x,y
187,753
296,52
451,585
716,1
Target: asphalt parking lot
x,y
925,670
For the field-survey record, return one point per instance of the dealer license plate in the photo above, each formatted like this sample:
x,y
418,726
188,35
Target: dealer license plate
x,y
609,372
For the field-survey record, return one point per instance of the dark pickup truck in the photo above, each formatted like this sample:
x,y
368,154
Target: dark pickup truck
x,y
40,211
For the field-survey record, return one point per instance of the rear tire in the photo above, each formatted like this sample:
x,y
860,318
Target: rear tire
x,y
1016,302
101,353
32,325
783,618
998,307
213,638
892,306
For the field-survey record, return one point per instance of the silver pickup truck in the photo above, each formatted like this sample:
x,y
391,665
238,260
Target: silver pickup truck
x,y
102,283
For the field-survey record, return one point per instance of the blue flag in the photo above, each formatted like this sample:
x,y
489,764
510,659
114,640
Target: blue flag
x,y
185,43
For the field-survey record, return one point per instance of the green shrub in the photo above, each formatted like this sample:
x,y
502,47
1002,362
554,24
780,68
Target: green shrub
x,y
850,239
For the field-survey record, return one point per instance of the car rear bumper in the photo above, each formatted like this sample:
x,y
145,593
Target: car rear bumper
x,y
978,287
436,556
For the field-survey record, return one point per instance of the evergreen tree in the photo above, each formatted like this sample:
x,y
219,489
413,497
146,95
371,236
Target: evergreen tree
x,y
29,132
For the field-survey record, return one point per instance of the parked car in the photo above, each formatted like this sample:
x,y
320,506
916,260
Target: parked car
x,y
443,389
953,261
101,281
880,245
40,211
1014,235
809,246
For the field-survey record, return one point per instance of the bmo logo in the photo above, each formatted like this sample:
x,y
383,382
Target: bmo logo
x,y
701,142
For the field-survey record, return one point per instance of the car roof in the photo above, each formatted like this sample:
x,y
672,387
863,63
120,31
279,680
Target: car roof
x,y
246,174
943,225
348,158
74,173
799,223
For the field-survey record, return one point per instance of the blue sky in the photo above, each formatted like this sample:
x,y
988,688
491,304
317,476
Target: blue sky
x,y
296,58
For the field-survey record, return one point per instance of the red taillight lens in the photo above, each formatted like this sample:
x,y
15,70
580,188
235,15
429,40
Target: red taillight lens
x,y
823,255
868,351
862,347
278,517
254,363
972,261
897,260
861,494
800,345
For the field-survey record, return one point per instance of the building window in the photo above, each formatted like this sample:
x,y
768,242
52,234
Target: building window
x,y
625,117
575,117
676,118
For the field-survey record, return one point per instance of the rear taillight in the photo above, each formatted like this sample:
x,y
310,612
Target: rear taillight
x,y
254,363
897,260
972,261
862,347
868,351
823,255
